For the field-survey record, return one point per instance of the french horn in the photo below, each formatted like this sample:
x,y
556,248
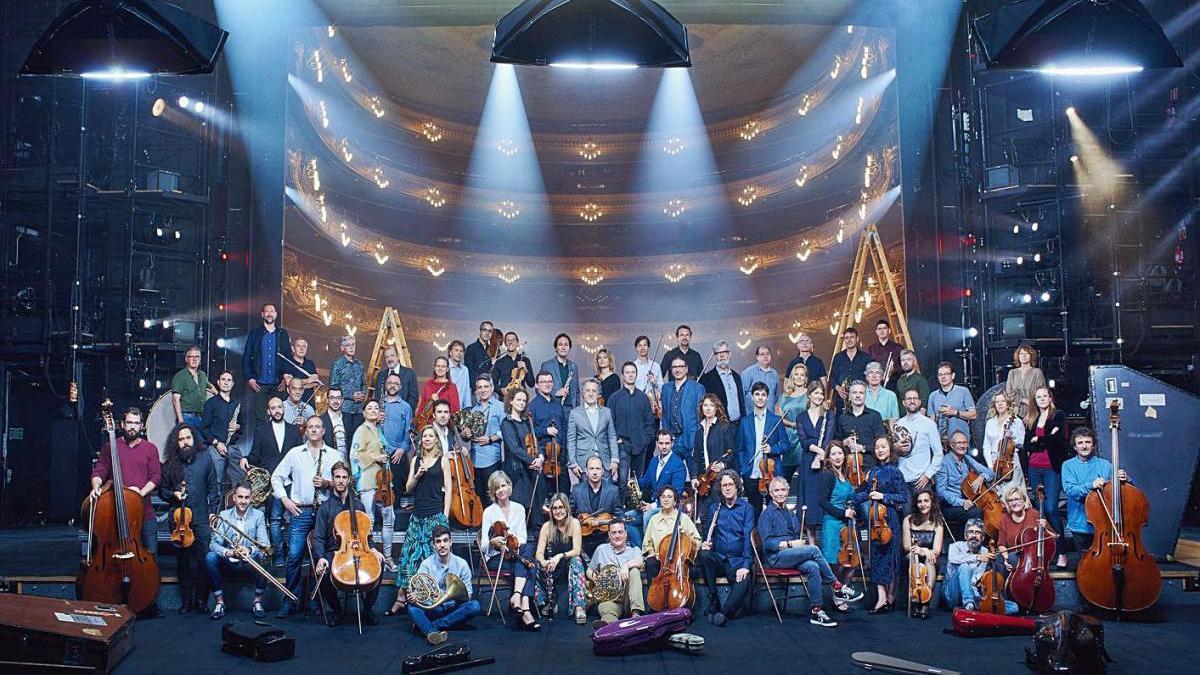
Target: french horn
x,y
606,586
424,592
900,438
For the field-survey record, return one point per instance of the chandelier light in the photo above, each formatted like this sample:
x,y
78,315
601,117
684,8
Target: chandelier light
x,y
591,212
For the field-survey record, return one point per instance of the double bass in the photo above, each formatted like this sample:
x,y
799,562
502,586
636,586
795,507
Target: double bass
x,y
672,587
1117,572
1030,584
117,569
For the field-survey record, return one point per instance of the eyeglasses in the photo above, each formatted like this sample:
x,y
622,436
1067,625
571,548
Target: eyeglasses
x,y
726,352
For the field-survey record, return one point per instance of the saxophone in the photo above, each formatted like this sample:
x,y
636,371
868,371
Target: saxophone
x,y
633,494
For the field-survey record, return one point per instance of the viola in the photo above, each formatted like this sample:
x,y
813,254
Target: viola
x,y
599,522
1117,572
704,483
766,467
494,344
672,587
354,566
919,590
424,416
512,547
1030,584
877,517
551,468
117,569
848,553
991,587
465,506
854,462
1007,451
181,533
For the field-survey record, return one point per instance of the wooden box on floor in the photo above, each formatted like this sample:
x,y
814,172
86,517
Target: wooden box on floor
x,y
44,634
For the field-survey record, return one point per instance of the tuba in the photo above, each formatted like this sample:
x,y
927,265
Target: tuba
x,y
606,586
425,593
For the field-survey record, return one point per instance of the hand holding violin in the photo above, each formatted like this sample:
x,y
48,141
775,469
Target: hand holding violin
x,y
876,495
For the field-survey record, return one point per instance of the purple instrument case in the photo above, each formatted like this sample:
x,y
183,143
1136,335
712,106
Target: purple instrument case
x,y
643,632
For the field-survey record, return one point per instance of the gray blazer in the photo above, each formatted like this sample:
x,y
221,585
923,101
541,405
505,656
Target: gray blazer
x,y
583,441
256,526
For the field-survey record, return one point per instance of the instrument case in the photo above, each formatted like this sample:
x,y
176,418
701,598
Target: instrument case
x,y
649,631
77,634
259,640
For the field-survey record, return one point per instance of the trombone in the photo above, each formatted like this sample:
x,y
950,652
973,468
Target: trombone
x,y
249,559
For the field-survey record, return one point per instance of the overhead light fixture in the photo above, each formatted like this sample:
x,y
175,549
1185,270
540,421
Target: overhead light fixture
x,y
125,40
1074,37
591,34
159,106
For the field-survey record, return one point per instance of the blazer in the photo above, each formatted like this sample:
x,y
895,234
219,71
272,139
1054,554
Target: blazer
x,y
551,366
350,420
722,436
252,352
1054,443
688,398
583,441
819,435
256,527
633,420
264,453
610,499
711,381
408,384
777,440
674,474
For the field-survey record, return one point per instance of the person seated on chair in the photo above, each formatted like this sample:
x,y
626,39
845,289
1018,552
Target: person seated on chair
x,y
433,623
727,549
786,548
595,496
955,506
629,563
662,525
965,564
519,563
922,540
221,559
325,544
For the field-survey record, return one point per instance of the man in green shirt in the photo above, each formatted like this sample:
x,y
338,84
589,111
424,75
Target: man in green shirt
x,y
911,377
189,389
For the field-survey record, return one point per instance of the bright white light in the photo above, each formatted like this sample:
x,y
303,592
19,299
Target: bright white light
x,y
158,384
116,74
1027,298
147,323
166,323
1045,296
142,383
575,65
1089,71
1070,110
220,343
972,332
184,101
198,106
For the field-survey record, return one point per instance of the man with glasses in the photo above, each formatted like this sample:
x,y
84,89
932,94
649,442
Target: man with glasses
x,y
476,356
848,365
725,383
956,509
805,355
952,405
188,390
680,403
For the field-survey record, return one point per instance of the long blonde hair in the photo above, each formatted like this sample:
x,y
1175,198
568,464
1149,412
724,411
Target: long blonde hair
x,y
789,387
437,443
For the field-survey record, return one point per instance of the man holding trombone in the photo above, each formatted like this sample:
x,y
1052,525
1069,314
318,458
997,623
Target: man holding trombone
x,y
239,542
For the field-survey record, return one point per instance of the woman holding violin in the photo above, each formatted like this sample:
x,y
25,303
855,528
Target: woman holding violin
x,y
814,428
1046,450
506,547
559,551
880,497
922,537
1003,426
522,459
437,387
189,487
429,484
371,470
715,447
839,521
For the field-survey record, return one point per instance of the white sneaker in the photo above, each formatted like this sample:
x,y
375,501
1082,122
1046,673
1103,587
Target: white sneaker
x,y
436,637
847,594
820,618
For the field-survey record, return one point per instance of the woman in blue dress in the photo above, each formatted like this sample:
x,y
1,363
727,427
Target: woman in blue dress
x,y
838,507
884,485
793,401
814,428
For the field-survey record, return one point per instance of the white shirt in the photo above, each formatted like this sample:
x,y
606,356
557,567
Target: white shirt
x,y
279,428
514,518
927,451
992,433
760,428
443,436
593,415
300,466
644,369
339,430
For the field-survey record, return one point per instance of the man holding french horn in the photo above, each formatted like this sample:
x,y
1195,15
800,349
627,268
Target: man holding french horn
x,y
614,577
439,594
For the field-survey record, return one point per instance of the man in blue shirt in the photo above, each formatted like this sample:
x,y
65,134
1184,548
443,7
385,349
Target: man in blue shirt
x,y
260,366
761,371
727,552
725,383
433,623
951,405
485,451
680,405
1080,475
348,374
397,424
956,509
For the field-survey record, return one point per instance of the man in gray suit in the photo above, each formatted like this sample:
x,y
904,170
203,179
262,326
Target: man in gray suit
x,y
590,432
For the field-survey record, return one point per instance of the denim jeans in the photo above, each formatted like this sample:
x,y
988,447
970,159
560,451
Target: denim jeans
x,y
389,520
958,589
219,566
446,615
274,513
1053,483
297,547
811,562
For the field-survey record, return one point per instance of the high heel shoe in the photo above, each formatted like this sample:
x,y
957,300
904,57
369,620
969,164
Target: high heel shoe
x,y
532,626
882,609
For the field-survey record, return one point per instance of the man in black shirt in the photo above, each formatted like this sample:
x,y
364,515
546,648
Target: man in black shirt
x,y
848,365
325,544
695,364
634,422
476,358
805,355
857,417
502,372
219,427
594,496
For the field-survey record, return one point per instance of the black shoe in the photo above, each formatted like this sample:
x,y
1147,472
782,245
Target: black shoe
x,y
718,619
185,606
334,620
200,605
884,609
151,612
713,606
370,619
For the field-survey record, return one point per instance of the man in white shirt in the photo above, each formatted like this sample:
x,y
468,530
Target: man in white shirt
x,y
308,468
921,457
295,406
649,373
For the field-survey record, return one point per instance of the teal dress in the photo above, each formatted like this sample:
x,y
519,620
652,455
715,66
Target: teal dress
x,y
831,526
790,405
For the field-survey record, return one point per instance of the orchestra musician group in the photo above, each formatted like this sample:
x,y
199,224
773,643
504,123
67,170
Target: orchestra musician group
x,y
597,480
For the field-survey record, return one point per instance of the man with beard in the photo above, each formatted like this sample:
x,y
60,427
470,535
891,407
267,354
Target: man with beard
x,y
691,357
920,460
325,544
565,373
140,472
260,360
221,426
340,423
476,354
966,562
189,479
272,440
408,378
295,410
726,383
397,423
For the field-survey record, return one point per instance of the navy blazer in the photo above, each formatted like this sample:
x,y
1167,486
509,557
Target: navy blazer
x,y
689,399
809,434
674,475
610,499
252,352
777,441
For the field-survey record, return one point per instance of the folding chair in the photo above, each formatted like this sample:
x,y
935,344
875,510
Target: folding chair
x,y
767,573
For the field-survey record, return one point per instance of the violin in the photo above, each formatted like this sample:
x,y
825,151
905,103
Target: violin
x,y
495,342
599,522
1008,448
854,462
1117,572
766,467
919,590
1030,584
672,587
704,483
848,553
384,494
424,416
512,547
117,569
181,533
551,468
465,506
354,566
877,516
991,587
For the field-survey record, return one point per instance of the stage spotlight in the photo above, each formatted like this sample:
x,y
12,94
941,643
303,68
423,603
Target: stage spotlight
x,y
1074,159
159,106
146,323
972,332
1070,110
1026,299
123,40
1074,37
166,323
1045,296
594,34
220,343
198,106
142,383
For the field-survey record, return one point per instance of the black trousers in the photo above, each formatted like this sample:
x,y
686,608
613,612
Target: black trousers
x,y
193,580
957,517
713,565
329,594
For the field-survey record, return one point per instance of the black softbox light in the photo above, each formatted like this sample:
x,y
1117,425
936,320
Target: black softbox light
x,y
579,32
125,36
1034,34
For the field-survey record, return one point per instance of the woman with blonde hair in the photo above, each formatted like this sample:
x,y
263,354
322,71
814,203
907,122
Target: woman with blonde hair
x,y
429,484
559,550
606,374
1000,412
793,401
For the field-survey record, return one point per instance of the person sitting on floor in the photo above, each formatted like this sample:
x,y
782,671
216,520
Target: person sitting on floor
x,y
433,623
965,564
629,562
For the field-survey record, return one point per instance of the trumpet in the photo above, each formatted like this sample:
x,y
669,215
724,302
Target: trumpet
x,y
249,559
425,593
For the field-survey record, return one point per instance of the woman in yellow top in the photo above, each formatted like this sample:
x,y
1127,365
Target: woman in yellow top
x,y
660,527
367,456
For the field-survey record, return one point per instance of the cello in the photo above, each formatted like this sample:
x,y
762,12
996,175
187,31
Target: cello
x,y
672,587
355,566
1117,572
987,499
117,568
1030,584
465,507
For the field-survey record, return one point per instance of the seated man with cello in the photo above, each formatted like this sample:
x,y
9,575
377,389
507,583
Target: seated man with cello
x,y
966,563
727,549
957,508
785,547
435,621
327,542
597,501
222,559
628,563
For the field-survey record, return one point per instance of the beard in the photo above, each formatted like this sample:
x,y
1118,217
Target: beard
x,y
129,434
187,454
